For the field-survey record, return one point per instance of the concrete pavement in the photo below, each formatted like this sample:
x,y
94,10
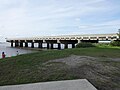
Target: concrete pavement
x,y
80,84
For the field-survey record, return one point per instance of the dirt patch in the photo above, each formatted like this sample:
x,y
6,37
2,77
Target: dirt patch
x,y
102,72
73,60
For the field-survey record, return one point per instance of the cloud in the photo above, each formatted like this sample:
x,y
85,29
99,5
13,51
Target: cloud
x,y
109,23
53,17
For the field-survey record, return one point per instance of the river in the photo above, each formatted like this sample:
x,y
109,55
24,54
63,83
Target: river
x,y
9,51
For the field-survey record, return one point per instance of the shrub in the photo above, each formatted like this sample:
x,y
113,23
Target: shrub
x,y
115,43
102,44
84,45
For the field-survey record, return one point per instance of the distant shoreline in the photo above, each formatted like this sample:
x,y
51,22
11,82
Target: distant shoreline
x,y
3,42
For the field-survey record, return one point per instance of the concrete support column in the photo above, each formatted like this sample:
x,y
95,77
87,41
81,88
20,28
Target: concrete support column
x,y
26,44
79,41
59,46
21,44
39,45
32,44
16,44
48,46
73,45
11,44
66,46
51,45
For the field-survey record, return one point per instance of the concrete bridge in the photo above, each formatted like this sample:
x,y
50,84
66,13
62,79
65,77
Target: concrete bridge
x,y
63,39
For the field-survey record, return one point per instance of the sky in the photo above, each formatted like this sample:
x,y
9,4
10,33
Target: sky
x,y
28,18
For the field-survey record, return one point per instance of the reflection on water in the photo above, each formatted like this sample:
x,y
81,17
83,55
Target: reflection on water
x,y
5,47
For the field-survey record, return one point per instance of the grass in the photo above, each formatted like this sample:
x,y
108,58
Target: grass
x,y
30,68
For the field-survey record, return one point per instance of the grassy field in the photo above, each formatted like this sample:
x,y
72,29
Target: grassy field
x,y
103,72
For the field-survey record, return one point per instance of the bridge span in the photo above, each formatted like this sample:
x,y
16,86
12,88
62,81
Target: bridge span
x,y
63,39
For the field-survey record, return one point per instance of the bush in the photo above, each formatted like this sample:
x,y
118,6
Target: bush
x,y
115,43
102,44
84,45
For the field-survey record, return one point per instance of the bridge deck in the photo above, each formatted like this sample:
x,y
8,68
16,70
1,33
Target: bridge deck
x,y
71,37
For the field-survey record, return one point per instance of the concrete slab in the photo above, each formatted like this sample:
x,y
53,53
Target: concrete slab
x,y
81,84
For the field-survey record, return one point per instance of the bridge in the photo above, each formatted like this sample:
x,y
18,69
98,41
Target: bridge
x,y
63,39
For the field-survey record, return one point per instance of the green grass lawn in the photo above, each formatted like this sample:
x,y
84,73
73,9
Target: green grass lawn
x,y
29,68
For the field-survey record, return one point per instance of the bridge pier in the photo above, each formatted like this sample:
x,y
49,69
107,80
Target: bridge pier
x,y
32,44
50,43
16,43
73,45
39,45
48,47
26,44
66,42
79,41
21,44
11,43
59,46
66,45
52,46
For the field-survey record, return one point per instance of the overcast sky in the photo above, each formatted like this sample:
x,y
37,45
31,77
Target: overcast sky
x,y
25,18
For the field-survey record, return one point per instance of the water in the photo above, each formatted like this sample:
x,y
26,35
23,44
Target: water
x,y
5,47
9,51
